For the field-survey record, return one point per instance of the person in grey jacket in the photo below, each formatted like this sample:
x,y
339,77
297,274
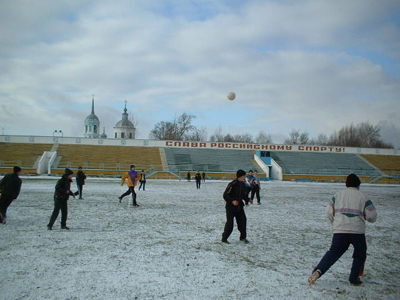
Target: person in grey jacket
x,y
348,211
61,196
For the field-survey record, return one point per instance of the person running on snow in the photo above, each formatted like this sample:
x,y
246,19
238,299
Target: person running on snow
x,y
234,195
249,182
61,196
80,182
348,211
10,186
133,178
256,188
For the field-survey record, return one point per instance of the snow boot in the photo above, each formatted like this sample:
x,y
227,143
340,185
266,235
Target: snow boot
x,y
314,276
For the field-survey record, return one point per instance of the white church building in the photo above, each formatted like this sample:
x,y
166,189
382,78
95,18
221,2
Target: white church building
x,y
124,129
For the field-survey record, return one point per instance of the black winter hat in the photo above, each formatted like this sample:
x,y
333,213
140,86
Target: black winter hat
x,y
68,172
240,173
352,181
17,169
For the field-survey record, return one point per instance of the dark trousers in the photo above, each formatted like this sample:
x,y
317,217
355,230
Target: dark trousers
x,y
144,185
241,220
5,202
255,191
198,183
80,189
340,244
59,205
131,190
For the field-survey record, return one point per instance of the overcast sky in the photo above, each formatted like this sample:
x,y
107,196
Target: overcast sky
x,y
310,65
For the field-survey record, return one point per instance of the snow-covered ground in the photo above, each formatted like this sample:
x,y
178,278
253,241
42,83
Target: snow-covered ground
x,y
169,247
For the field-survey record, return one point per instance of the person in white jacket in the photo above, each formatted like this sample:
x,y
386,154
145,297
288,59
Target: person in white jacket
x,y
348,211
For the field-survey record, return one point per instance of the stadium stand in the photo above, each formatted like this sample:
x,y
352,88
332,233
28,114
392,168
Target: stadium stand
x,y
23,155
323,164
173,162
389,164
108,157
209,160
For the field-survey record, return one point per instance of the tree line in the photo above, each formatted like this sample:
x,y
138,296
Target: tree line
x,y
181,128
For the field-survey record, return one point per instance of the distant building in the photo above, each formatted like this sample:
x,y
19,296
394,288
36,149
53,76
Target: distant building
x,y
124,129
104,135
92,125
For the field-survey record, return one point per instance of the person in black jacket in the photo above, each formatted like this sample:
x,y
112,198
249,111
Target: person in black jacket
x,y
61,196
80,182
234,195
10,186
142,180
197,177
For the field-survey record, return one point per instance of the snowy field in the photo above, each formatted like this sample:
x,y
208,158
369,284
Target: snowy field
x,y
169,247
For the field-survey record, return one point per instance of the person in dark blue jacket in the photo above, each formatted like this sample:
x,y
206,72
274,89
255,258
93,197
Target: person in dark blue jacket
x,y
234,195
10,186
61,196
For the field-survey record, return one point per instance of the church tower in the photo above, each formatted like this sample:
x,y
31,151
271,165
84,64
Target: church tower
x,y
124,129
92,125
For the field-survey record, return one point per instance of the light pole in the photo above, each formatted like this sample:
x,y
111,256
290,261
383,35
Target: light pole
x,y
57,133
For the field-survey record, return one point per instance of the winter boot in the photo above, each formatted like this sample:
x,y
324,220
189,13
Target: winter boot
x,y
314,276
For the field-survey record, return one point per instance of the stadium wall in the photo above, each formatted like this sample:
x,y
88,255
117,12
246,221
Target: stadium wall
x,y
188,144
197,145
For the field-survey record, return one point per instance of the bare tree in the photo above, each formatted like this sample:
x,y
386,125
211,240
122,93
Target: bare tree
x,y
263,138
217,136
243,138
294,137
303,140
175,130
240,138
363,135
197,135
321,140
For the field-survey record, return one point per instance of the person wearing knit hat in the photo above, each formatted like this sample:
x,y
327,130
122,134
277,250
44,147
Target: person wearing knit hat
x,y
133,178
353,181
348,210
61,196
234,195
10,187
